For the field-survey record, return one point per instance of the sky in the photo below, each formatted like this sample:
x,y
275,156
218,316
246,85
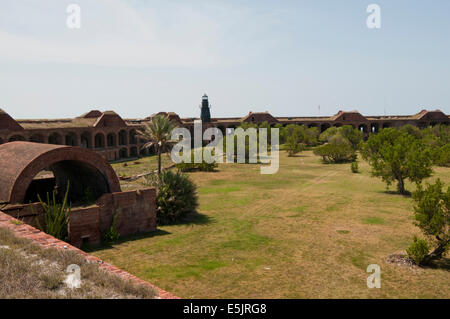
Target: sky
x,y
139,57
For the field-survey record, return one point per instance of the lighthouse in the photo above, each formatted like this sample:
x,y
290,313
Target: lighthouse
x,y
205,115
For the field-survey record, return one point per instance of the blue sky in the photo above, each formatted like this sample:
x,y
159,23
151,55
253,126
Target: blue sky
x,y
287,57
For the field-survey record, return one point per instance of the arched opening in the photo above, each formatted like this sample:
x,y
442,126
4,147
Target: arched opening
x,y
86,183
123,153
312,125
71,139
99,140
1,140
133,139
86,140
111,139
15,138
337,125
374,128
37,138
363,128
55,138
123,137
386,125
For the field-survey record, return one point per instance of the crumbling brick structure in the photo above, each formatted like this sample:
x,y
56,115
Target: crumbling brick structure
x,y
21,180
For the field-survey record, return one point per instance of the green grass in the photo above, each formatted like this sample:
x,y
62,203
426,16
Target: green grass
x,y
309,231
374,221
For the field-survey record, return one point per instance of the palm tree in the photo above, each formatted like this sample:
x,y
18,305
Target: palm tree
x,y
158,132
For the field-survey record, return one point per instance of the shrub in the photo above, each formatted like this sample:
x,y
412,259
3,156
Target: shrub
x,y
337,150
354,167
347,132
418,250
441,156
432,214
176,196
293,146
56,216
112,235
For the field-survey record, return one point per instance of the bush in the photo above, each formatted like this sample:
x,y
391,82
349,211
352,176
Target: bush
x,y
347,132
441,156
293,146
337,150
432,215
176,196
418,250
354,167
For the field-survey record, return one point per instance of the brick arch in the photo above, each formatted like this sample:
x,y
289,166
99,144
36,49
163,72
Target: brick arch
x,y
99,140
24,160
71,139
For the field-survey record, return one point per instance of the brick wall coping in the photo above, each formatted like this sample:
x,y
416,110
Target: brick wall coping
x,y
44,240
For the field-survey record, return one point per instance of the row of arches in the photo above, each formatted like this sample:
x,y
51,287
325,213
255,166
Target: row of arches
x,y
365,128
86,140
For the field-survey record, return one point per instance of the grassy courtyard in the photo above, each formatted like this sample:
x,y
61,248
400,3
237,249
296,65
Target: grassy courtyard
x,y
309,231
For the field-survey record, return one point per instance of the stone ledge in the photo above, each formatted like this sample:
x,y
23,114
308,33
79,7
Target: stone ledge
x,y
46,241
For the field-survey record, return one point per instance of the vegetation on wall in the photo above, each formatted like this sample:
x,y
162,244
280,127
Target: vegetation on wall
x,y
112,235
56,215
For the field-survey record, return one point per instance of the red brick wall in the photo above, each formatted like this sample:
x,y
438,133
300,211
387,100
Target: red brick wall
x,y
136,211
84,223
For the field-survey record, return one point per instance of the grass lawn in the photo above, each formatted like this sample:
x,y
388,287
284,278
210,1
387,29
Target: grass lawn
x,y
309,231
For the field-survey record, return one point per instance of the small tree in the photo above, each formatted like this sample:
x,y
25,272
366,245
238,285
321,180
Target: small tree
x,y
158,132
397,156
354,136
337,150
293,146
432,214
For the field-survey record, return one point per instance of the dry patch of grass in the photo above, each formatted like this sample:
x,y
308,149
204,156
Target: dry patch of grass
x,y
309,231
29,271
